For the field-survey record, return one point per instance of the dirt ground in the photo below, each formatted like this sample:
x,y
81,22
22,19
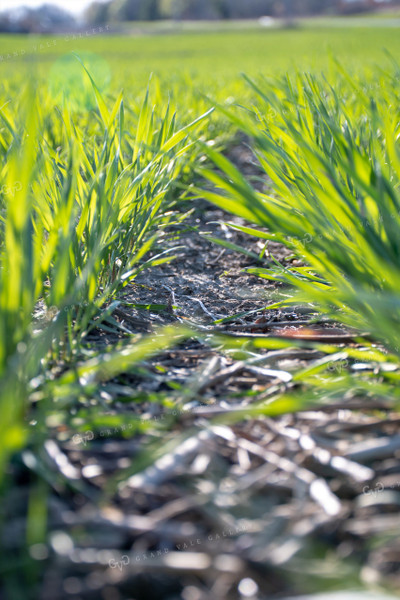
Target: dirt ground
x,y
236,505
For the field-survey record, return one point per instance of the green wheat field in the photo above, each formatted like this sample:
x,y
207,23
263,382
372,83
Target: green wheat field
x,y
107,145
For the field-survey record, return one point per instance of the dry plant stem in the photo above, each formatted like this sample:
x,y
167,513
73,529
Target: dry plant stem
x,y
318,488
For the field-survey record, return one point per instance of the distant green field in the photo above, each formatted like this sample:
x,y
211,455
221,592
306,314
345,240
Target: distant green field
x,y
212,58
187,64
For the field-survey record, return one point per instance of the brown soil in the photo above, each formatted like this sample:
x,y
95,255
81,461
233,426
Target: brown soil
x,y
242,501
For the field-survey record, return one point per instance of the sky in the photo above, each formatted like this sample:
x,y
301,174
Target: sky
x,y
74,6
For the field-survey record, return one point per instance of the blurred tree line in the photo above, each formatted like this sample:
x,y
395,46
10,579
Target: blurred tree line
x,y
43,19
148,10
49,18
